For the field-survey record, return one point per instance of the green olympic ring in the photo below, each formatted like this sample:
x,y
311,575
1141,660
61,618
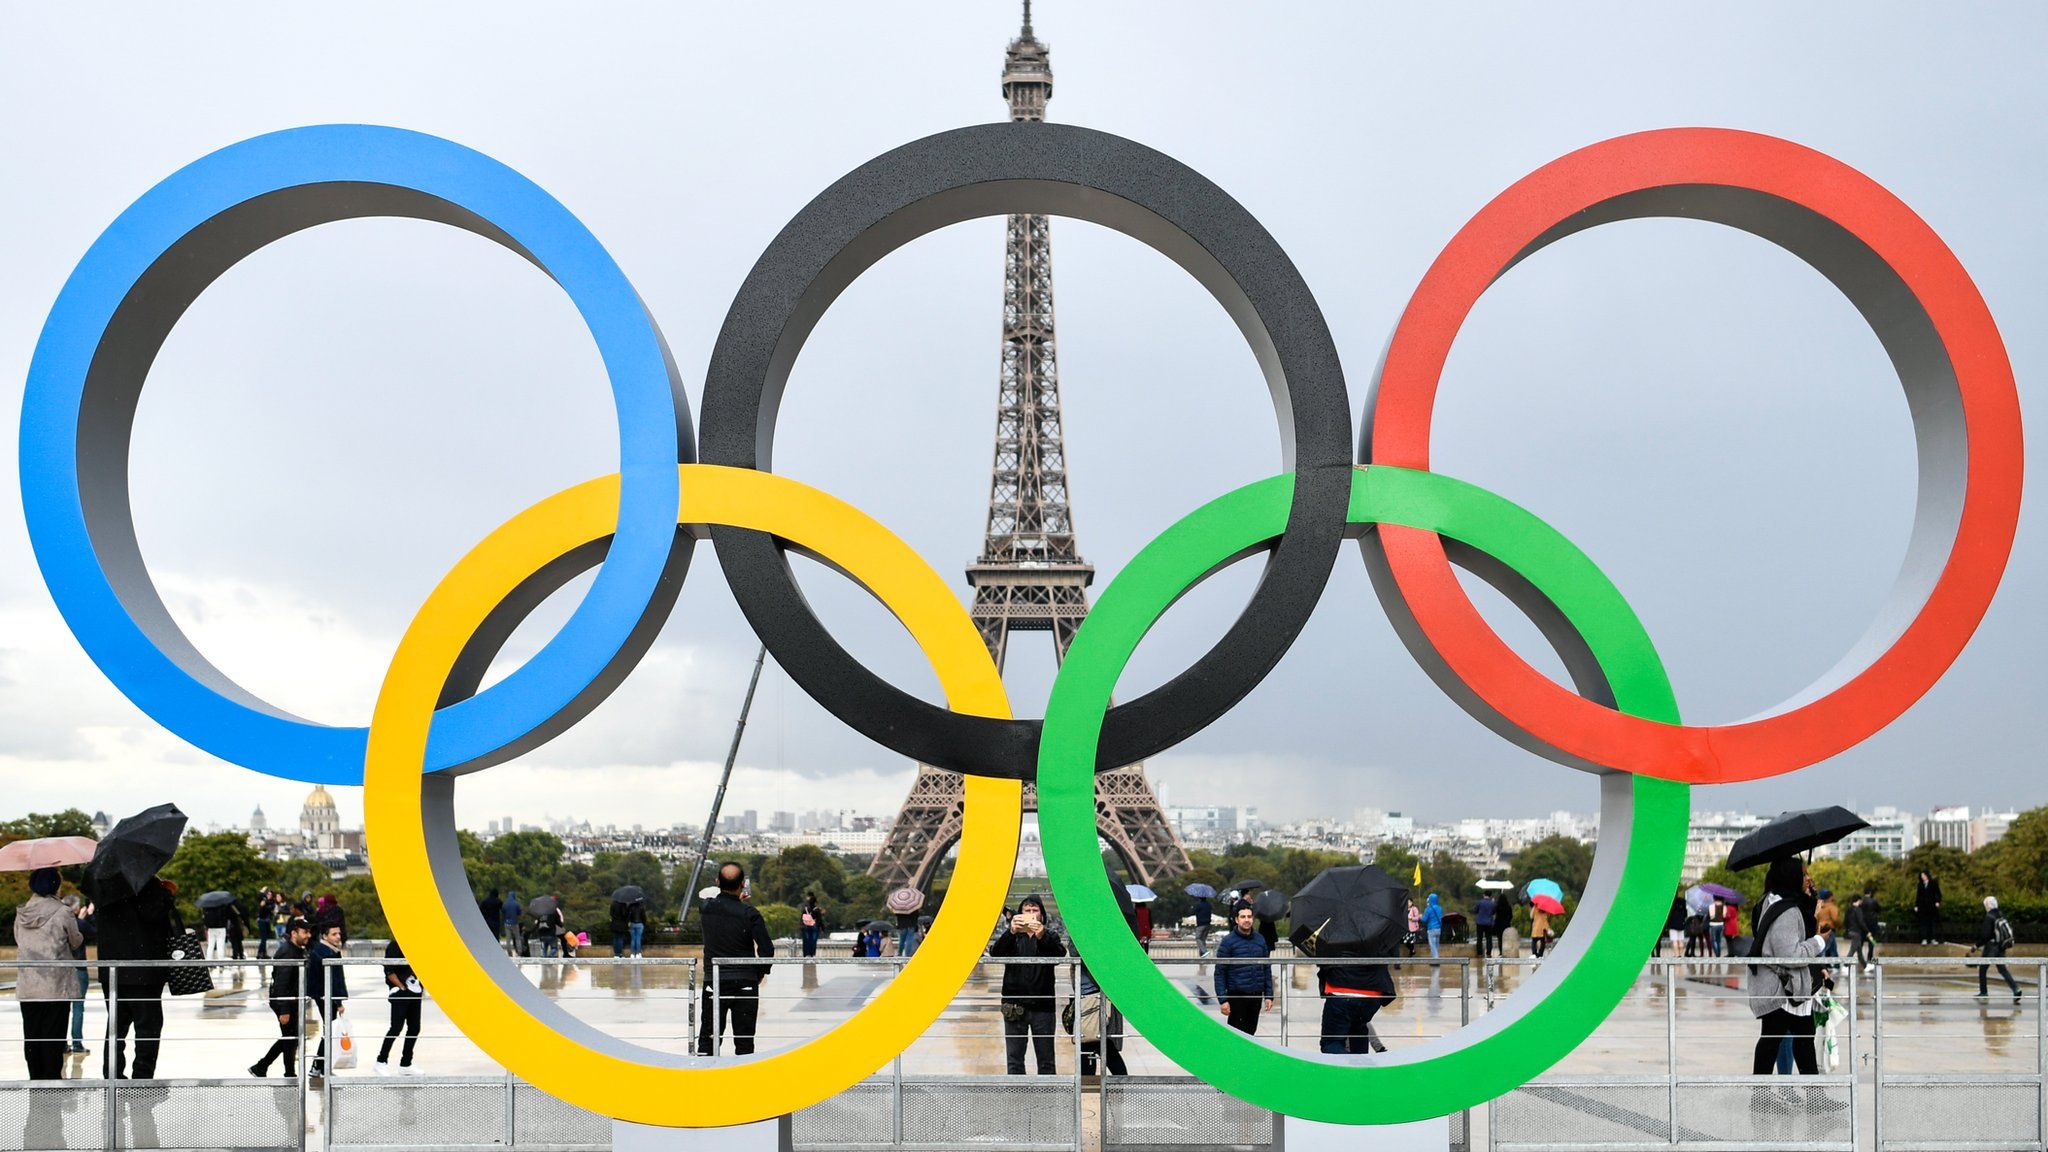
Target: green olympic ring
x,y
1643,825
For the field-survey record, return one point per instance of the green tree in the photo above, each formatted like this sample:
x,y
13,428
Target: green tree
x,y
221,861
1455,881
365,912
783,920
804,868
295,878
1559,858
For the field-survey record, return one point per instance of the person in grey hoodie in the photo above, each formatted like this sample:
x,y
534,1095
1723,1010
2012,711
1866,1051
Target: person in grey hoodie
x,y
1781,995
45,930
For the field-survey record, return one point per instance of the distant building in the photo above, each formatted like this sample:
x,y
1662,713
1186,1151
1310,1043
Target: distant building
x,y
1891,834
100,825
1711,836
1990,827
258,825
1216,822
319,818
782,822
1948,827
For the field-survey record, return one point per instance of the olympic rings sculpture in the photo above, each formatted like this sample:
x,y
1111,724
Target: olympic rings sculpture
x,y
433,724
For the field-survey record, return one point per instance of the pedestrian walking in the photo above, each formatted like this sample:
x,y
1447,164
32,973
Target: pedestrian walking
x,y
548,926
326,987
1828,915
1781,996
1243,989
1413,939
285,1004
215,918
88,928
45,930
621,917
1717,926
266,922
1731,926
1927,907
636,926
1503,919
134,926
813,917
1482,924
1994,937
1869,921
1433,926
327,914
733,929
508,918
404,998
238,927
1027,993
1353,994
492,909
1539,930
1674,922
906,933
1204,916
1145,926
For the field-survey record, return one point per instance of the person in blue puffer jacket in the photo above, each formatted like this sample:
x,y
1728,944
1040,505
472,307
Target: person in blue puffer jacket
x,y
1433,925
1244,988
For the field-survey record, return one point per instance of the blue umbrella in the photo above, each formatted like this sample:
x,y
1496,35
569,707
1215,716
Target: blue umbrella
x,y
1544,888
1699,900
1200,891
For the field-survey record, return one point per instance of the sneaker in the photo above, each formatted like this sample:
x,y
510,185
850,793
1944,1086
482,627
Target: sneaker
x,y
1868,969
383,1069
258,1071
408,1070
1978,996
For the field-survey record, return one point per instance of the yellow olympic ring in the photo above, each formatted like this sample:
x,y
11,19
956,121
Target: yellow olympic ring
x,y
484,993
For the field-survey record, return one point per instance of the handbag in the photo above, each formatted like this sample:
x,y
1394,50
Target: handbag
x,y
344,1044
1088,1020
186,979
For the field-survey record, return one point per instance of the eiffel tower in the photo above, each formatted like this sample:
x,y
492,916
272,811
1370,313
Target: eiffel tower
x,y
1029,576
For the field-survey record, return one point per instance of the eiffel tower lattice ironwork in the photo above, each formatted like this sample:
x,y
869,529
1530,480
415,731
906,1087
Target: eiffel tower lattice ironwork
x,y
1030,577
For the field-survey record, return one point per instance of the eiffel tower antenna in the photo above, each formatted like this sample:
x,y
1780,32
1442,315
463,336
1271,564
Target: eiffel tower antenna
x,y
1029,576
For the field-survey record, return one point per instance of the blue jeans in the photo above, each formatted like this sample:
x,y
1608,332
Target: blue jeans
x,y
633,934
618,944
906,941
1436,936
1714,934
811,940
1347,1024
78,1012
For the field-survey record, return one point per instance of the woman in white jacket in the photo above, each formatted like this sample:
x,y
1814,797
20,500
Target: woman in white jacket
x,y
1781,995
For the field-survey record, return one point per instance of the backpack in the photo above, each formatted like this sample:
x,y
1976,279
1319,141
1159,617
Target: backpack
x,y
2001,931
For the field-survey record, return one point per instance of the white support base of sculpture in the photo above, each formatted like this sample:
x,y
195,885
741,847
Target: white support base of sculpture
x,y
1298,1135
766,1136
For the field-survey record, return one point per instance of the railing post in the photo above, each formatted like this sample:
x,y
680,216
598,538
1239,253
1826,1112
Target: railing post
x,y
113,994
716,1023
1671,1050
1286,983
1877,1057
300,1057
327,1069
2041,1048
1101,1066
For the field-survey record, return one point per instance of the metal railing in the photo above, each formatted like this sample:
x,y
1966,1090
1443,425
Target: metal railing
x,y
1921,1063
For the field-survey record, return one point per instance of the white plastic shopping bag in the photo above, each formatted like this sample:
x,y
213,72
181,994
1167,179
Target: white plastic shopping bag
x,y
344,1044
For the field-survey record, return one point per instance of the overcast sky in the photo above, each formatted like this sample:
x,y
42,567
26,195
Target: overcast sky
x,y
348,410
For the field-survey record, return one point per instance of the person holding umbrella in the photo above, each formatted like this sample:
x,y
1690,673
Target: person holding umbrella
x,y
1781,996
904,904
1204,915
1243,989
1342,916
136,911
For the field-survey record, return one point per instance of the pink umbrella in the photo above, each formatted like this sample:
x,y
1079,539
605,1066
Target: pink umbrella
x,y
1550,904
47,852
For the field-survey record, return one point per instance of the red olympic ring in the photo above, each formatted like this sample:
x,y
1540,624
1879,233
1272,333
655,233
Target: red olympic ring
x,y
1934,324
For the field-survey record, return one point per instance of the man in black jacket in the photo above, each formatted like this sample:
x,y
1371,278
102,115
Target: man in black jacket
x,y
326,985
732,930
1027,1004
134,925
284,1000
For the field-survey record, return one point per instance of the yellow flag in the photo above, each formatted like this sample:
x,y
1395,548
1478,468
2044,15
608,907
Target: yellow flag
x,y
1418,874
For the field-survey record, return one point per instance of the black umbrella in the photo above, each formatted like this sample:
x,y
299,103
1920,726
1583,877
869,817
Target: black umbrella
x,y
1270,904
216,900
1244,888
138,846
540,906
878,926
1359,910
1792,833
630,894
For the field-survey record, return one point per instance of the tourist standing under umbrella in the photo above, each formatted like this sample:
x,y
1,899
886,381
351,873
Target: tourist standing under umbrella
x,y
45,931
1781,995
